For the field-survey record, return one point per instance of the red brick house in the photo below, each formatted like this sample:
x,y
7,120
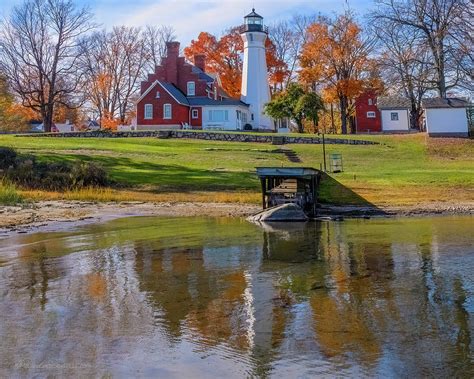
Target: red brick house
x,y
368,117
181,95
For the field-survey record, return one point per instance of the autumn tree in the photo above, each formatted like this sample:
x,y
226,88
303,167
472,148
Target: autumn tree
x,y
296,104
336,57
224,57
113,63
13,116
39,55
288,37
443,26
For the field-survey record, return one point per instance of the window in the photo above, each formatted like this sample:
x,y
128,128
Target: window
x,y
370,114
218,115
251,37
157,94
394,116
148,111
370,102
191,88
195,113
252,116
167,111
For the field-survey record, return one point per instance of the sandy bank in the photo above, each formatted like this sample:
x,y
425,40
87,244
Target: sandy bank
x,y
49,215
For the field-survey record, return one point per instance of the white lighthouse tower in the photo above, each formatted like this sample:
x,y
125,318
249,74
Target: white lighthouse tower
x,y
255,89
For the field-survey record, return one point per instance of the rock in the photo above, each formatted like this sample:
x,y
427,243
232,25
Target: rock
x,y
285,212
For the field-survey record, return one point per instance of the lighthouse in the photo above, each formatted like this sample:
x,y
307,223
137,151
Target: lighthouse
x,y
255,90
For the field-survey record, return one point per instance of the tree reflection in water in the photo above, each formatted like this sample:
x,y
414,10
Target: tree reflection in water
x,y
379,297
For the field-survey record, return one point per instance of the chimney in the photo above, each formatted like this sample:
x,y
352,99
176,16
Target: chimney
x,y
171,62
172,49
200,61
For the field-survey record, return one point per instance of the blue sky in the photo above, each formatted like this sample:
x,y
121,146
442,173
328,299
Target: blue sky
x,y
189,17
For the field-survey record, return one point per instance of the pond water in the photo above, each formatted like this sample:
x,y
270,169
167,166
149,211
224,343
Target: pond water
x,y
201,297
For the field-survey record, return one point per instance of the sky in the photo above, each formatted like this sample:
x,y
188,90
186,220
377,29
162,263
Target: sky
x,y
189,17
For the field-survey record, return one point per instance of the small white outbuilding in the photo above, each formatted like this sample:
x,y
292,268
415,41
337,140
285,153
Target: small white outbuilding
x,y
395,114
446,117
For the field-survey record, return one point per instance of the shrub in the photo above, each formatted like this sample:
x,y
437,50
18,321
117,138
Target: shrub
x,y
27,172
7,157
88,174
9,194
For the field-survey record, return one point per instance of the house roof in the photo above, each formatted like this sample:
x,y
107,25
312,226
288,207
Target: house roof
x,y
202,75
201,101
392,102
168,87
175,92
437,102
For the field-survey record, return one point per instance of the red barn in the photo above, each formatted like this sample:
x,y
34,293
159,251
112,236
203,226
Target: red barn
x,y
181,95
368,118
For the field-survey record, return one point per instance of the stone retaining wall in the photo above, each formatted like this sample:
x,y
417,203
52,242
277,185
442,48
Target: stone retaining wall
x,y
209,136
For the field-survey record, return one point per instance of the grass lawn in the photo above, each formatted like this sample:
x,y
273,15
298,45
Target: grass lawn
x,y
401,170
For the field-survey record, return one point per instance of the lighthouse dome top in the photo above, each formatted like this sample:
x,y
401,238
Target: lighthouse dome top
x,y
253,22
253,14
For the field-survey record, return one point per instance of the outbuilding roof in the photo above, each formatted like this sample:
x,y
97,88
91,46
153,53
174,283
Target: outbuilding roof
x,y
287,172
392,102
452,102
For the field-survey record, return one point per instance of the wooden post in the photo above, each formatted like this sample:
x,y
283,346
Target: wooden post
x,y
264,190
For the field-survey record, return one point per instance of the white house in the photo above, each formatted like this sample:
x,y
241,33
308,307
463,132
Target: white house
x,y
395,114
446,117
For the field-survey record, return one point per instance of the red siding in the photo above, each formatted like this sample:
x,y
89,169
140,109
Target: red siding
x,y
196,123
180,113
363,123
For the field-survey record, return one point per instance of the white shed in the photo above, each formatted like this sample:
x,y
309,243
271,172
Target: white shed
x,y
446,117
395,114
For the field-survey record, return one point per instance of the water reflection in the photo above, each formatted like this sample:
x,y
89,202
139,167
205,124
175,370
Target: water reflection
x,y
190,297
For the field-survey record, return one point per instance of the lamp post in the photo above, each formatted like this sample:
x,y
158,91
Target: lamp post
x,y
324,150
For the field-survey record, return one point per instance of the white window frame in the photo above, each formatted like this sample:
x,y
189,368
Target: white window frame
x,y
370,102
195,114
371,114
157,96
165,115
191,88
148,111
394,116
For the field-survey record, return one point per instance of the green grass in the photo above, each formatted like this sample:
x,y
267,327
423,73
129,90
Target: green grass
x,y
403,169
9,194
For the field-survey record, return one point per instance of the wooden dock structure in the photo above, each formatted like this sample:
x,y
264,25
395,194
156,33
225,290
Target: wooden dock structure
x,y
295,185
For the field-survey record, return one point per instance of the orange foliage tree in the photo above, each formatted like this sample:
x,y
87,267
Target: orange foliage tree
x,y
224,57
336,58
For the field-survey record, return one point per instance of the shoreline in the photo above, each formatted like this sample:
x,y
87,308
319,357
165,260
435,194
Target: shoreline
x,y
61,215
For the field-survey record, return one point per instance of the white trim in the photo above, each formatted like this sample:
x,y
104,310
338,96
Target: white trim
x,y
162,86
164,111
195,114
371,114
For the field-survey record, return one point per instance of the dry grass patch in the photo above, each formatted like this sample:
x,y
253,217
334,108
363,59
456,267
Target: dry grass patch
x,y
114,195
